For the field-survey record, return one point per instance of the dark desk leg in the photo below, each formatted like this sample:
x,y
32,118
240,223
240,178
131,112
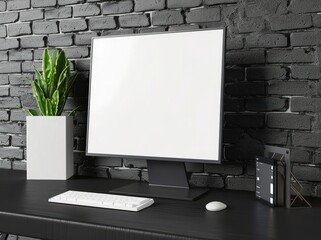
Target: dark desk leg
x,y
4,236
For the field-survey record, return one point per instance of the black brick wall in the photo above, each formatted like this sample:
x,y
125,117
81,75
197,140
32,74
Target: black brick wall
x,y
272,84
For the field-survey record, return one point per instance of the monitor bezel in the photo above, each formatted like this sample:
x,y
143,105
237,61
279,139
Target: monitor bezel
x,y
153,158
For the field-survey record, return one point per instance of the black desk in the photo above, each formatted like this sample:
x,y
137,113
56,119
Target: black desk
x,y
24,210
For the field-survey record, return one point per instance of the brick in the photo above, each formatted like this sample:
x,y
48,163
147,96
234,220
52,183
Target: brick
x,y
77,52
226,168
305,72
3,31
203,15
135,163
307,173
84,38
2,6
10,67
135,20
234,74
290,88
4,116
83,65
245,120
289,121
18,4
306,139
73,25
17,91
317,157
92,172
20,165
298,155
145,5
234,105
18,141
20,55
60,40
267,104
43,3
240,183
3,56
298,6
5,164
153,29
251,25
234,43
316,20
183,3
117,32
102,23
198,180
116,7
8,17
11,153
45,27
167,17
18,29
267,41
306,38
299,55
130,174
68,2
84,10
245,57
104,162
4,92
56,13
270,137
264,8
194,167
28,101
4,140
32,42
266,73
4,79
246,149
304,104
246,89
213,2
232,135
291,21
17,115
28,67
32,14
21,79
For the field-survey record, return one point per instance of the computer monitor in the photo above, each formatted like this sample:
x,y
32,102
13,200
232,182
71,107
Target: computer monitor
x,y
158,97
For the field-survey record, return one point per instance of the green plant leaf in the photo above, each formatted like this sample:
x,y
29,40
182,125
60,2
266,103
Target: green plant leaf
x,y
49,111
52,87
39,95
46,65
71,113
55,102
30,112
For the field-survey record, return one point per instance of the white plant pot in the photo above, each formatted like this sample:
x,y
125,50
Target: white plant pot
x,y
49,148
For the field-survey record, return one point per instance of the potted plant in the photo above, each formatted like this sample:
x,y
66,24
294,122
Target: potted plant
x,y
50,135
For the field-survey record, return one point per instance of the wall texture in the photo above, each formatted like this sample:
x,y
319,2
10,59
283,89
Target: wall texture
x,y
273,90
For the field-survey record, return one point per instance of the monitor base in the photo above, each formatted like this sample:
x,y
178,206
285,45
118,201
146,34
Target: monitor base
x,y
145,190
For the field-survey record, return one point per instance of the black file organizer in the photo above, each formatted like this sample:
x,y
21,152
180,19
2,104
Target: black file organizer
x,y
281,156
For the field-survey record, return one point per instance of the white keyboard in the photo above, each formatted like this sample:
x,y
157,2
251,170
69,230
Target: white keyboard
x,y
101,200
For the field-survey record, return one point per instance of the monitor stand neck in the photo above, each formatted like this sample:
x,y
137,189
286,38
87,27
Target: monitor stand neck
x,y
166,180
167,174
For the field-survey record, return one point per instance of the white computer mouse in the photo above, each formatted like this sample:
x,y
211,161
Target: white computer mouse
x,y
215,206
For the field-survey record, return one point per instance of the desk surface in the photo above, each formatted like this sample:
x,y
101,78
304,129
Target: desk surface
x,y
24,210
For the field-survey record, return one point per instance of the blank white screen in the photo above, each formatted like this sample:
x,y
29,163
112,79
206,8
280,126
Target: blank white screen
x,y
157,95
